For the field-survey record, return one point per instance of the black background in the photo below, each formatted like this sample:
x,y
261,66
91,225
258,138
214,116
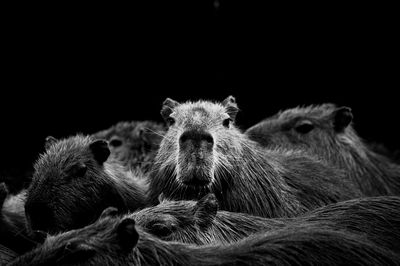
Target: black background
x,y
75,68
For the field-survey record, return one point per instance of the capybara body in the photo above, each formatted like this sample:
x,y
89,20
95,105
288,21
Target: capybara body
x,y
6,255
134,143
116,241
204,152
14,237
326,131
377,218
74,182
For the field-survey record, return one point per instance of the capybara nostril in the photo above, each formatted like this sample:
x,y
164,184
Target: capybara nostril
x,y
40,215
196,137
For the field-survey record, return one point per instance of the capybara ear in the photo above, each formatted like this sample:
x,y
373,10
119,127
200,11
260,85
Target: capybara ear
x,y
39,236
3,193
78,170
206,210
100,150
342,117
231,107
127,234
50,140
168,108
109,212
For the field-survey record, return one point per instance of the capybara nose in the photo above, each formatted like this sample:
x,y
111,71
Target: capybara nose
x,y
39,215
196,137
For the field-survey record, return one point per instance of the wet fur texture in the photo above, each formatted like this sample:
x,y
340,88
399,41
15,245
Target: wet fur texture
x,y
374,173
134,143
63,197
244,176
105,243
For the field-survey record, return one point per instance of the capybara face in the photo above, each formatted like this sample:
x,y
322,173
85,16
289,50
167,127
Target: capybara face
x,y
199,134
70,185
314,128
133,143
181,221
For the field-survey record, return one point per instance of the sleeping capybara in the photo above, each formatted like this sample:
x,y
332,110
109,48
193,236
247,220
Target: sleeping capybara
x,y
326,131
74,182
117,241
134,143
377,218
204,152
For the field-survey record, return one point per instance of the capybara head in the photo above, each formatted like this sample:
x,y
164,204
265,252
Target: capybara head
x,y
196,143
108,241
72,184
318,129
133,143
182,221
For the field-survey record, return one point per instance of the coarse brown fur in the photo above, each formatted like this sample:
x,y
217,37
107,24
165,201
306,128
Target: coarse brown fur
x,y
204,152
134,143
326,131
73,182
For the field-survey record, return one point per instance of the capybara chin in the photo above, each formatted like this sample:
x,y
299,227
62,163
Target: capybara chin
x,y
134,143
74,182
204,152
326,131
117,241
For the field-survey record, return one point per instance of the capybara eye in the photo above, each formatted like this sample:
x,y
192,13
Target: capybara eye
x,y
170,121
304,127
226,122
116,142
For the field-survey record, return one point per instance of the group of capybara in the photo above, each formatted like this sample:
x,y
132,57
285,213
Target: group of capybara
x,y
298,188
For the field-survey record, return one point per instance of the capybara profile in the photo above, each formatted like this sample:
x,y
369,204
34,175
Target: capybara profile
x,y
200,222
116,241
326,131
134,143
74,182
377,218
203,152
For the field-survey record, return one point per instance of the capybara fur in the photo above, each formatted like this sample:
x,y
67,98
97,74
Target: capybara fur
x,y
14,237
378,218
74,182
134,143
6,255
116,241
326,131
204,152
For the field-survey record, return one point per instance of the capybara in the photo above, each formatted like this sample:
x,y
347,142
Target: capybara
x,y
134,143
6,255
326,131
378,218
14,237
204,152
115,241
74,182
